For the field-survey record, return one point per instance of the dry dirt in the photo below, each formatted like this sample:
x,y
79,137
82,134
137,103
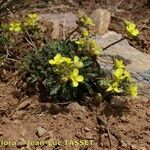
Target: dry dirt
x,y
126,122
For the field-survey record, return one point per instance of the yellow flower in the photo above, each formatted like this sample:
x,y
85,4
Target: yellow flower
x,y
58,59
65,79
67,60
87,21
119,64
133,90
94,47
92,43
33,16
114,88
77,63
131,28
85,32
31,20
118,73
126,74
76,78
15,27
80,41
97,50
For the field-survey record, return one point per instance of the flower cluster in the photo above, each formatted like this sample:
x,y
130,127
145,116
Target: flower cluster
x,y
85,43
85,21
121,75
31,20
68,69
131,28
89,46
17,26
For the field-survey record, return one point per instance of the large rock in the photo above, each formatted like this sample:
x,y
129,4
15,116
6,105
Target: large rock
x,y
137,61
57,25
101,18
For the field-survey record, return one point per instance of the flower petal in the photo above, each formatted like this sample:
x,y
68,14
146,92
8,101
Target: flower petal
x,y
109,89
75,83
52,62
75,72
79,78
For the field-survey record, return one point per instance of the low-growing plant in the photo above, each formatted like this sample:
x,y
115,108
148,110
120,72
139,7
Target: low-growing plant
x,y
10,5
20,36
68,70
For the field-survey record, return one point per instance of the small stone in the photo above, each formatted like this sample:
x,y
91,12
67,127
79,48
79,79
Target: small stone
x,y
123,144
41,131
1,133
142,148
38,148
89,136
87,129
23,132
23,105
148,112
51,135
133,147
21,143
55,117
101,18
16,121
76,107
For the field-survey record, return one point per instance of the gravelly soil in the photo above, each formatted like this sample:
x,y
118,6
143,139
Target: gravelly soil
x,y
127,120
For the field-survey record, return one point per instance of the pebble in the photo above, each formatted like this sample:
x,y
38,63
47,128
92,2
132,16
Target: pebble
x,y
89,136
23,105
41,131
87,129
133,147
123,144
76,107
21,143
148,112
23,132
1,133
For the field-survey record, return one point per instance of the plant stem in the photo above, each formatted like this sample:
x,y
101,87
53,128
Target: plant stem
x,y
72,32
113,43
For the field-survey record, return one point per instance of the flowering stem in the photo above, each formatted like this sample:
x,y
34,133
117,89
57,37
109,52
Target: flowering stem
x,y
113,43
72,32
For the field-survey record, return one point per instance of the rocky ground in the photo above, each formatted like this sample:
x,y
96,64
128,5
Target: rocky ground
x,y
24,123
27,123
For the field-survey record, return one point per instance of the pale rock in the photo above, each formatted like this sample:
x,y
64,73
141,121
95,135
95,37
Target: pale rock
x,y
76,107
148,112
57,25
89,136
1,133
123,144
23,132
133,147
101,18
56,30
138,61
87,129
23,105
21,143
41,131
69,19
